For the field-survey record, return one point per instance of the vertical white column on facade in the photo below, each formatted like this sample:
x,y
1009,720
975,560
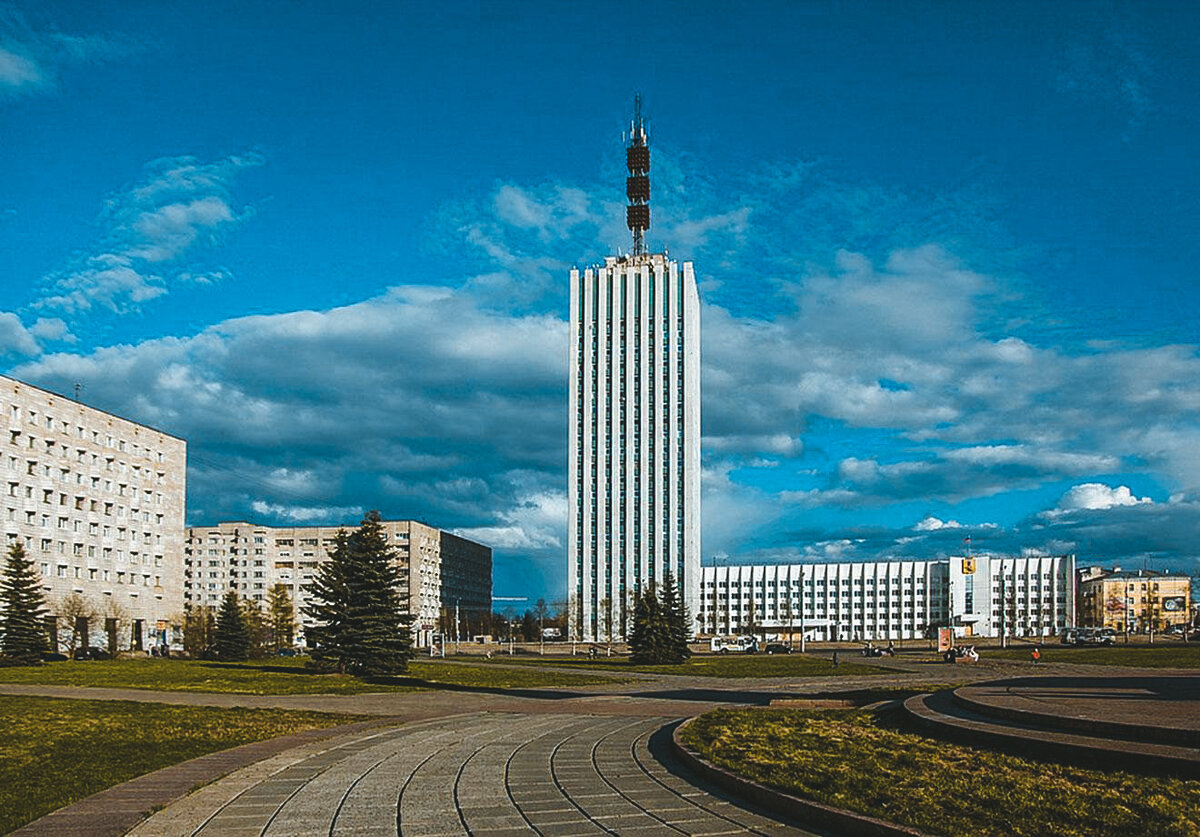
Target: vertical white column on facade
x,y
574,449
671,439
628,511
590,382
611,468
691,422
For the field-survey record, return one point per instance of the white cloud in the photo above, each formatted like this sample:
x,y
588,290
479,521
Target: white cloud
x,y
534,523
1094,495
52,329
417,401
15,339
149,230
933,524
313,515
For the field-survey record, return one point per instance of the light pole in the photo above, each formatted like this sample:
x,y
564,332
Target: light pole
x,y
457,627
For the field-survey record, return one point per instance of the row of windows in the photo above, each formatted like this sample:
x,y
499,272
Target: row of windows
x,y
32,417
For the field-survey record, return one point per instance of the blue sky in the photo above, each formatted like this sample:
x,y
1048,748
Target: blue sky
x,y
946,251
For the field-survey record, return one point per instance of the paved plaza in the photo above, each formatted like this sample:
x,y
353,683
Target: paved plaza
x,y
585,760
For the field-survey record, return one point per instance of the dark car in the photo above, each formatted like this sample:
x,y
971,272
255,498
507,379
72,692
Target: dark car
x,y
54,657
777,648
91,654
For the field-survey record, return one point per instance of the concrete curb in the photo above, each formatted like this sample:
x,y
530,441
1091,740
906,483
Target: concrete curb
x,y
934,718
803,812
1147,733
114,811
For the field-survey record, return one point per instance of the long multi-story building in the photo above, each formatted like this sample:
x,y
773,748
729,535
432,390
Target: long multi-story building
x,y
979,596
441,573
98,503
1138,601
634,488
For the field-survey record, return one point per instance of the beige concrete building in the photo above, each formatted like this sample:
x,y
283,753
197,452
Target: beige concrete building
x,y
439,571
98,502
1137,602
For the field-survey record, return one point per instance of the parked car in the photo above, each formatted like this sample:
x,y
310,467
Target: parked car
x,y
1095,636
777,648
90,653
54,657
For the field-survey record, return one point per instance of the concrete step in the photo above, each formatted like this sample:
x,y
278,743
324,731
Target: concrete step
x,y
1150,733
943,716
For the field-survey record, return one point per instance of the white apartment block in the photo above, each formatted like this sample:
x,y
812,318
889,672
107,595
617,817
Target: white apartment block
x,y
439,571
98,502
979,596
634,488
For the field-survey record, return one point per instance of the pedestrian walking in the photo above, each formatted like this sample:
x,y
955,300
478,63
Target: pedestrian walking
x,y
1035,655
835,659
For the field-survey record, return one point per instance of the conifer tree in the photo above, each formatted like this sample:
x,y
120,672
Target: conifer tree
x,y
660,630
282,615
257,628
232,640
23,619
677,618
354,600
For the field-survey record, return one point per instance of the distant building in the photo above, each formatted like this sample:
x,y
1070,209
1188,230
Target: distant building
x,y
98,502
1136,602
634,489
979,596
439,571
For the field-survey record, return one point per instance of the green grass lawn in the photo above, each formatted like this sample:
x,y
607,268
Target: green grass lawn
x,y
1166,654
284,676
57,751
716,665
854,760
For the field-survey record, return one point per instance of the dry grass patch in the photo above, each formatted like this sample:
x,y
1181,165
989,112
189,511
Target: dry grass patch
x,y
856,760
55,751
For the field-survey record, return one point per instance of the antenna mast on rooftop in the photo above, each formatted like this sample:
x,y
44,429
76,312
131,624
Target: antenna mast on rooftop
x,y
637,184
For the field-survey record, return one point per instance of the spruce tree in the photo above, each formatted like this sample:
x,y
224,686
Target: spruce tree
x,y
232,640
257,628
659,633
354,599
647,638
282,616
23,620
676,617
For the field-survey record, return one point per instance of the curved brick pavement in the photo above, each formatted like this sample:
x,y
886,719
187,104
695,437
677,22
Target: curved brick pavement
x,y
486,774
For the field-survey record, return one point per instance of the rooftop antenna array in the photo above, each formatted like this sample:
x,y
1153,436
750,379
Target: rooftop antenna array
x,y
637,184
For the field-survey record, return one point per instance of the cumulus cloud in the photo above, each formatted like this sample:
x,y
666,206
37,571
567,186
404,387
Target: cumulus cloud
x,y
933,524
1094,495
150,232
15,339
418,402
311,515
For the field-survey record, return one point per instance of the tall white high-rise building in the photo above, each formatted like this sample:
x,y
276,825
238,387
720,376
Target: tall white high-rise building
x,y
635,431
